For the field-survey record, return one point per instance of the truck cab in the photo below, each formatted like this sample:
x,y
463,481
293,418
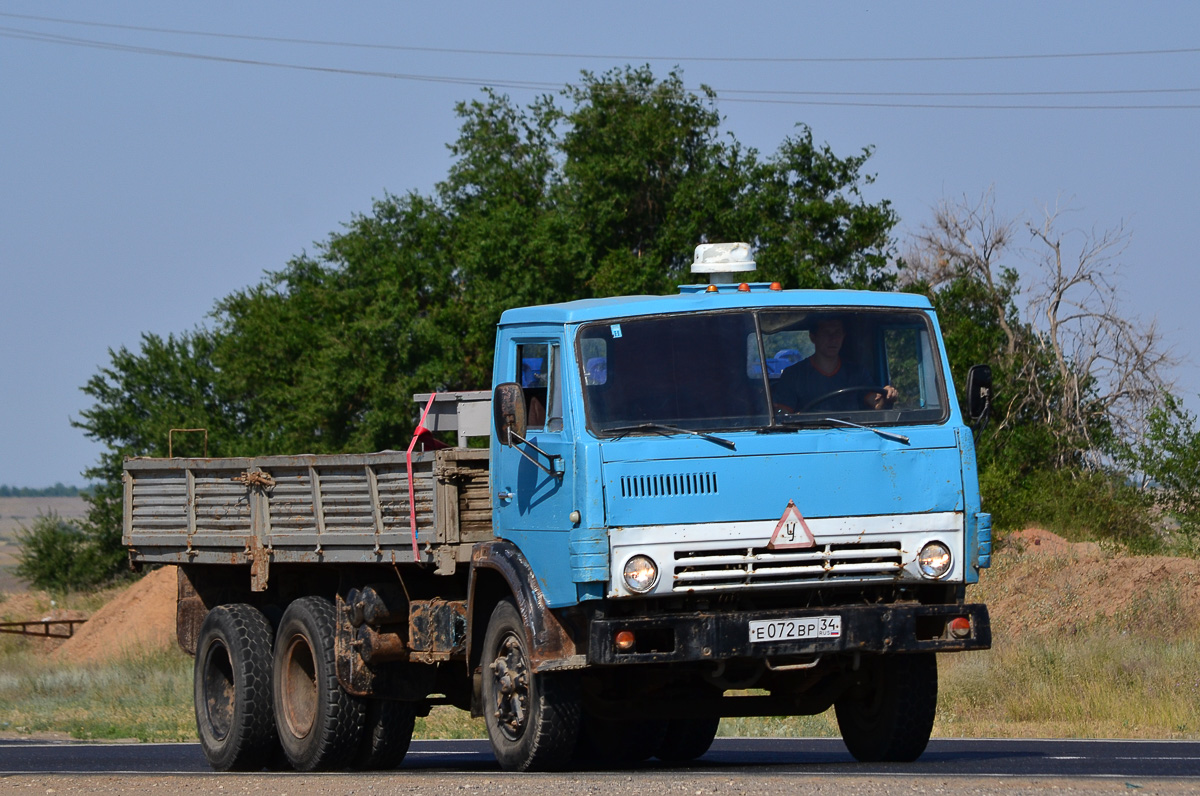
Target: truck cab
x,y
744,486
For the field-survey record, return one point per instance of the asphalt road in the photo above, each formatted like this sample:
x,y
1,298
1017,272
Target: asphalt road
x,y
1121,760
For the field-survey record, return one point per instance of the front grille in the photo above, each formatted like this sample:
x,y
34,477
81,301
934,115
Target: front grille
x,y
760,568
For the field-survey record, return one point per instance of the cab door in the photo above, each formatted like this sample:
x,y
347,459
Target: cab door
x,y
528,498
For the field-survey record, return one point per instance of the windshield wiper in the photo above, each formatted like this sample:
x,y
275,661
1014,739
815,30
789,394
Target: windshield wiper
x,y
885,434
624,430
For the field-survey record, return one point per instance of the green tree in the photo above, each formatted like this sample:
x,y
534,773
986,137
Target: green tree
x,y
603,191
138,398
1168,457
810,223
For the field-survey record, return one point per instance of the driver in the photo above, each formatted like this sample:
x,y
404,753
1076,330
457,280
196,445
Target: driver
x,y
825,372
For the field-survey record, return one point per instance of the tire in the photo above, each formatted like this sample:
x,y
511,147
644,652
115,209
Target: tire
x,y
532,719
387,732
609,744
232,689
888,716
687,739
319,724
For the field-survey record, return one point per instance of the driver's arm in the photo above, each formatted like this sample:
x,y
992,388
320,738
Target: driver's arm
x,y
881,400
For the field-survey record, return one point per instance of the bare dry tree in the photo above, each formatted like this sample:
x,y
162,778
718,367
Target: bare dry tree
x,y
1108,370
965,236
1110,367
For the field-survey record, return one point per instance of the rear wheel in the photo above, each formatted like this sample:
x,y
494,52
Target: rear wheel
x,y
387,733
232,688
319,724
532,719
888,715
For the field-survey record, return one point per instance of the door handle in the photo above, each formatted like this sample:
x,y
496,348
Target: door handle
x,y
505,495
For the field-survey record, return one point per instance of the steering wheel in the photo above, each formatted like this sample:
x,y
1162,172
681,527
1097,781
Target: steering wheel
x,y
863,388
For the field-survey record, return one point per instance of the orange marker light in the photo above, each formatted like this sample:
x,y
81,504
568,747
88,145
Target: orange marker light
x,y
960,627
776,286
624,640
744,288
710,289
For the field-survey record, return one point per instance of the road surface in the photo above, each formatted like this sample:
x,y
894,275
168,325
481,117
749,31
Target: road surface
x,y
733,765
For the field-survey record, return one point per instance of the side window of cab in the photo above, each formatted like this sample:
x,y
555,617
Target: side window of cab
x,y
538,373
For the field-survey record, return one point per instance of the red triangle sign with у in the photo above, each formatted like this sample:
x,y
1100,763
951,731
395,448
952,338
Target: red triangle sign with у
x,y
792,531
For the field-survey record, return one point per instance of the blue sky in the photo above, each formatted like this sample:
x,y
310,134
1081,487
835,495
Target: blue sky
x,y
139,186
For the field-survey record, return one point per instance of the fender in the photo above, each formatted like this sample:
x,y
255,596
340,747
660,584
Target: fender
x,y
550,642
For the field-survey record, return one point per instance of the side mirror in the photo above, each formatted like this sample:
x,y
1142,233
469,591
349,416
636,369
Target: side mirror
x,y
508,410
979,394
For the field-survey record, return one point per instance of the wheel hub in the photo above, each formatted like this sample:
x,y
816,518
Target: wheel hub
x,y
299,689
510,674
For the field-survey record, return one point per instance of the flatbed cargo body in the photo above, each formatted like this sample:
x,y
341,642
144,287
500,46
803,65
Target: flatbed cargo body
x,y
334,509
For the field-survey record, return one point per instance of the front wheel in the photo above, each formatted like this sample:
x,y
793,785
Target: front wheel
x,y
688,739
609,743
532,719
888,715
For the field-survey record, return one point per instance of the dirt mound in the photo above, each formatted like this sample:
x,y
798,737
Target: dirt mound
x,y
1041,583
140,619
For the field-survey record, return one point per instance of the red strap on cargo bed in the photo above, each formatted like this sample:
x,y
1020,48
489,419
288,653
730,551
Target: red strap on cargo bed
x,y
412,498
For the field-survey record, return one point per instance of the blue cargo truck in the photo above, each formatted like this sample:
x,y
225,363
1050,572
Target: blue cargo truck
x,y
735,501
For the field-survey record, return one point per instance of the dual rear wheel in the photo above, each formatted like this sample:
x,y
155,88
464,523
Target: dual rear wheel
x,y
270,699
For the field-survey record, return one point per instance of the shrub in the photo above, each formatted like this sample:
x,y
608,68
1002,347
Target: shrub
x,y
1075,503
56,555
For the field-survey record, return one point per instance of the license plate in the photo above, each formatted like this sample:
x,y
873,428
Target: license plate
x,y
795,629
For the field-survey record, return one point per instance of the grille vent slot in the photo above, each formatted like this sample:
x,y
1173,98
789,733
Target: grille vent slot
x,y
668,485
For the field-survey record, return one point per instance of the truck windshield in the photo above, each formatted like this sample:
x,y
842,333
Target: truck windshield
x,y
764,369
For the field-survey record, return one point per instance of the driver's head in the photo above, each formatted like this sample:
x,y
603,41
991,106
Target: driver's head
x,y
828,337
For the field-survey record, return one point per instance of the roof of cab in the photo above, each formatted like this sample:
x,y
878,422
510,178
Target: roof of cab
x,y
600,309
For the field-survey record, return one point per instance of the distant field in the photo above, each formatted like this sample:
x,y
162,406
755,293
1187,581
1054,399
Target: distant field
x,y
18,511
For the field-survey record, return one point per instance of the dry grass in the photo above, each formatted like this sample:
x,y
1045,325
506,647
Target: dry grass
x,y
1097,686
1087,645
147,697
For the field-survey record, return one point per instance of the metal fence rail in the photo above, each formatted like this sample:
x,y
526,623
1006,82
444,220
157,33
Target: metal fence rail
x,y
46,628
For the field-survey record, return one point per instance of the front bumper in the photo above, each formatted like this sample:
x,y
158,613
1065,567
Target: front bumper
x,y
707,636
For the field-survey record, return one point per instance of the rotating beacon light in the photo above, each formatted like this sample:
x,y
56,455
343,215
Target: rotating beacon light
x,y
723,262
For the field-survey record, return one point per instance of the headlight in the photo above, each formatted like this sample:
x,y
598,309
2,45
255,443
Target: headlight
x,y
934,560
641,573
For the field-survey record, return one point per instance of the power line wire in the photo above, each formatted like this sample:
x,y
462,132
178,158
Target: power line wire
x,y
598,56
16,33
1060,93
